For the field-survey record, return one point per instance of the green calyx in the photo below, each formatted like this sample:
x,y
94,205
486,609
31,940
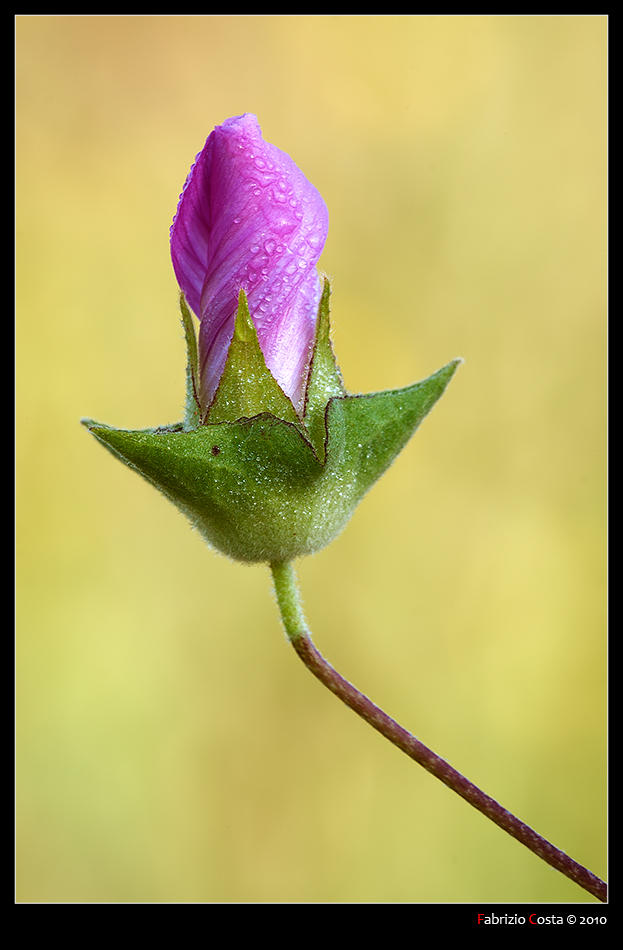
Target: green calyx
x,y
257,481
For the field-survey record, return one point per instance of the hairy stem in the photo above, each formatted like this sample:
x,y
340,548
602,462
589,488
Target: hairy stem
x,y
289,603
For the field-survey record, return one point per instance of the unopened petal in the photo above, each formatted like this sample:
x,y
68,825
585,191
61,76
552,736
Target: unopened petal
x,y
248,218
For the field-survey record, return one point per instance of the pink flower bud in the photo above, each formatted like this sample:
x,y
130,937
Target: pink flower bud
x,y
248,218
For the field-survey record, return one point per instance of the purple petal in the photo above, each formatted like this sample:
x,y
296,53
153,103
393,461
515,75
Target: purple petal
x,y
248,218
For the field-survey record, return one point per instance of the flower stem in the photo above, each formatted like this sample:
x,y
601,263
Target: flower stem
x,y
296,629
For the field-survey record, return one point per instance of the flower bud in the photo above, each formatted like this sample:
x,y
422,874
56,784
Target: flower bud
x,y
273,455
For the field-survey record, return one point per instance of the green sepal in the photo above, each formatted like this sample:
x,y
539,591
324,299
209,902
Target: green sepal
x,y
192,413
366,433
256,489
324,380
247,387
247,486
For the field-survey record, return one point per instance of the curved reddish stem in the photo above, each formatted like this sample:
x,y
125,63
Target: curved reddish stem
x,y
298,634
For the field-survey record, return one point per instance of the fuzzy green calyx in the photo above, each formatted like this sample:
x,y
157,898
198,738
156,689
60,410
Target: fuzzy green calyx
x,y
259,483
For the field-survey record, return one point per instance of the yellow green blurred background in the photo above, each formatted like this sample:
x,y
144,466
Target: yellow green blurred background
x,y
170,745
